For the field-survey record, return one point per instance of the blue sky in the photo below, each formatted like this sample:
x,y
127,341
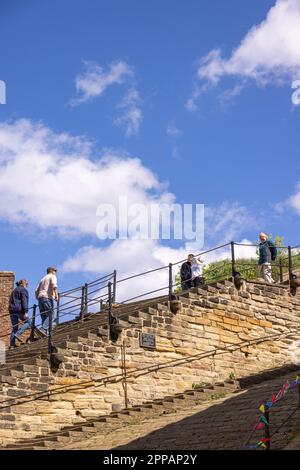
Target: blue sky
x,y
216,128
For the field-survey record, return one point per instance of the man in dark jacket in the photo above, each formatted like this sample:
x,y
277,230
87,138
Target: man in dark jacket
x,y
186,273
267,254
18,309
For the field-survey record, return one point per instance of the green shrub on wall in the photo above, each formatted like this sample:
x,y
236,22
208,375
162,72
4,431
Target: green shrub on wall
x,y
248,267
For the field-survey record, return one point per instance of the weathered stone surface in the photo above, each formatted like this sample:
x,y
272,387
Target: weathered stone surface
x,y
91,379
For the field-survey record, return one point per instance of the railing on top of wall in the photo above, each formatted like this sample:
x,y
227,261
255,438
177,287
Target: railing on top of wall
x,y
102,292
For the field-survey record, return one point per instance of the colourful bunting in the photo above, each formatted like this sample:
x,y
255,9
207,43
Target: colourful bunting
x,y
287,384
264,421
264,407
261,444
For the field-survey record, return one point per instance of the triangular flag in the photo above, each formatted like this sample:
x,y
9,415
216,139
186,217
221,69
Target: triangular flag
x,y
261,444
264,421
273,398
259,426
262,408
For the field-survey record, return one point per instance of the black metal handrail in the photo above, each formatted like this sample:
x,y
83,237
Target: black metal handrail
x,y
81,302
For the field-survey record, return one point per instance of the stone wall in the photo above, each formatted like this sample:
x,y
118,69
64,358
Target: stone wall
x,y
6,287
210,319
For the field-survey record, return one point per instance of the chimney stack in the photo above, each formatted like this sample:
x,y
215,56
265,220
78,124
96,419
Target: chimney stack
x,y
7,280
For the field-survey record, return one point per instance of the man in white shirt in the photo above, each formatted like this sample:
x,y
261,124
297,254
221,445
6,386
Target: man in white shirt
x,y
197,272
46,292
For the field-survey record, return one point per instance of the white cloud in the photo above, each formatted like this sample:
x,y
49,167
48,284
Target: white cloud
x,y
243,249
55,182
227,222
191,103
131,118
95,80
129,257
269,53
173,131
293,201
132,257
176,154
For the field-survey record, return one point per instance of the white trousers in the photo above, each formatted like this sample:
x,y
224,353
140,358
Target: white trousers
x,y
266,272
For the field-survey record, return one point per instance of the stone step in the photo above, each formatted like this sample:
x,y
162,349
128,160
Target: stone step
x,y
154,406
67,434
87,429
173,399
75,434
48,441
36,448
209,288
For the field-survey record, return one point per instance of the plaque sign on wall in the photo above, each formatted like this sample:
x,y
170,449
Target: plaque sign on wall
x,y
147,340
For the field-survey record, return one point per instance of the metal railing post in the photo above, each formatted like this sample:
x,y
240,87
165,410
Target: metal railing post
x,y
170,282
281,270
114,285
33,322
50,318
290,262
233,270
85,298
101,305
57,309
82,302
267,429
109,304
124,374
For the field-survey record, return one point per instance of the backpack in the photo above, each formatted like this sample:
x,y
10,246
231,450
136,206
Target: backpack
x,y
273,251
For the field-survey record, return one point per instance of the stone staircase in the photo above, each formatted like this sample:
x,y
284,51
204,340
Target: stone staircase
x,y
218,416
93,324
27,376
104,424
96,323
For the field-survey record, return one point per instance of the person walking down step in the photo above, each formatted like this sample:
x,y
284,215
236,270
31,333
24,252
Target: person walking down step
x,y
267,254
186,273
197,272
18,310
46,293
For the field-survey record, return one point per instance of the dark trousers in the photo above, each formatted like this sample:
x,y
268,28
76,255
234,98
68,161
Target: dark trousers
x,y
46,307
185,285
15,318
198,281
